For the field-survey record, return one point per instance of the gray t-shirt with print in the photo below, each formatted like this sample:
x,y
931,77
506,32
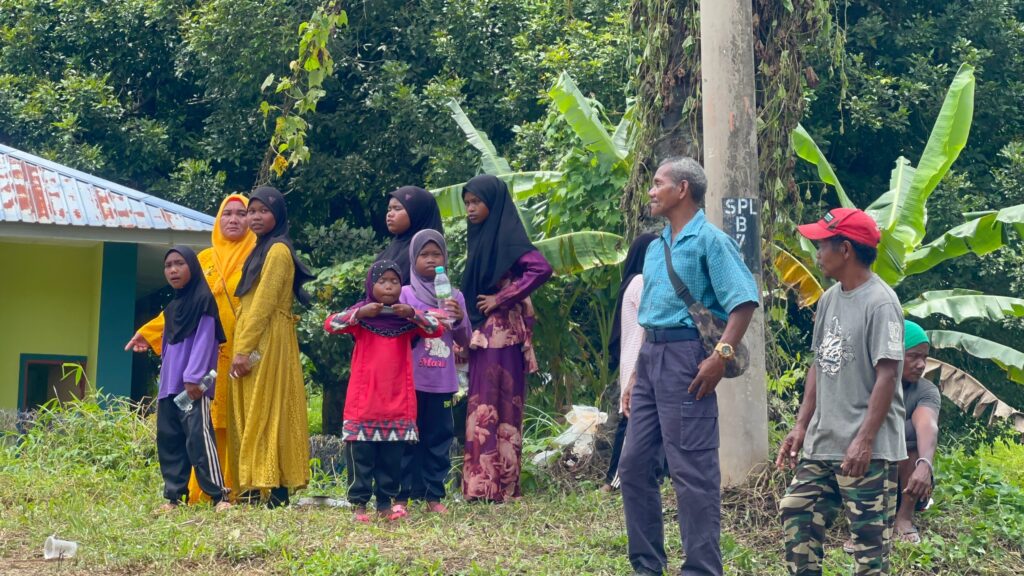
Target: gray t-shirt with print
x,y
852,332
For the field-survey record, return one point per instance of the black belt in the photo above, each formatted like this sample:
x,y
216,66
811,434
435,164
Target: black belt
x,y
671,334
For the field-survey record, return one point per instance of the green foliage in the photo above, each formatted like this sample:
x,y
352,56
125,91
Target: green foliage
x,y
989,509
963,304
335,289
302,90
901,214
105,434
807,149
1009,359
877,100
982,235
1006,456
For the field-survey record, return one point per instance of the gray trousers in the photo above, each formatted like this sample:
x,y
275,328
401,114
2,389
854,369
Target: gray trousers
x,y
664,415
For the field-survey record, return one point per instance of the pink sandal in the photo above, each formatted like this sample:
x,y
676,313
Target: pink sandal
x,y
360,515
437,507
397,513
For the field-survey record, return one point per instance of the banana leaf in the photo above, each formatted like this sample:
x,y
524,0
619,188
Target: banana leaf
x,y
796,276
806,148
584,120
521,185
887,210
578,251
1010,360
967,392
491,161
981,236
947,139
623,135
960,304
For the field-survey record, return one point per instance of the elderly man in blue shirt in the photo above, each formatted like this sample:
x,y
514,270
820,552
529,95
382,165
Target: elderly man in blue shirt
x,y
671,400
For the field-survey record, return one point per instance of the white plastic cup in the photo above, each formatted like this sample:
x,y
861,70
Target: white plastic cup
x,y
56,549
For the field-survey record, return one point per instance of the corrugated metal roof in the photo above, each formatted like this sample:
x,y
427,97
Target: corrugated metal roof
x,y
34,190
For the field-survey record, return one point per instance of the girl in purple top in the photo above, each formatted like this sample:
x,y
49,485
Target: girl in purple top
x,y
192,335
502,269
426,463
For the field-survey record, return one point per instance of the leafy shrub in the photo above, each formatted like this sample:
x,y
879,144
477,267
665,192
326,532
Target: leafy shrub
x,y
1007,457
106,433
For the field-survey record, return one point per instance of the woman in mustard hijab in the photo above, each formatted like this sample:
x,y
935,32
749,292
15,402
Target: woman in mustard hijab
x,y
222,265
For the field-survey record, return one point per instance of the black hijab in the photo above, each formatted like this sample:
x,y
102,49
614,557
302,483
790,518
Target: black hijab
x,y
274,200
190,303
633,265
423,214
494,244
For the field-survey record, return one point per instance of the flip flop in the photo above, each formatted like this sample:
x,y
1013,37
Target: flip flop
x,y
848,546
911,536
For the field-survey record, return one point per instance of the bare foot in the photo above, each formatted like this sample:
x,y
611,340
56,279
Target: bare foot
x,y
223,506
167,507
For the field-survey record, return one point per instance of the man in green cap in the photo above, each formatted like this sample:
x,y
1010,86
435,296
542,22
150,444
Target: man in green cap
x,y
923,402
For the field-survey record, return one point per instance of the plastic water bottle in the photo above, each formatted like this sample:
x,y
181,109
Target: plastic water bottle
x,y
254,358
442,286
184,402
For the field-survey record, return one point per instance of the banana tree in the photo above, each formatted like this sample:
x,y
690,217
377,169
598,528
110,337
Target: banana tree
x,y
901,213
568,253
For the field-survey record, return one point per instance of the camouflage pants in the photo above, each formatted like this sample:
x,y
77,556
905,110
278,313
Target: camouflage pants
x,y
813,500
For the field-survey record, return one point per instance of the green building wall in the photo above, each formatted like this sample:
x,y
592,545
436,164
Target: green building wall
x,y
49,305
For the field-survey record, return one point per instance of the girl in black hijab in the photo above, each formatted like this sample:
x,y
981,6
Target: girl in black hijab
x,y
191,302
273,199
502,269
268,437
410,210
192,337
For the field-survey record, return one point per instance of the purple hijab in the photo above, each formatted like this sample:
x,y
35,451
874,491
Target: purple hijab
x,y
423,288
388,325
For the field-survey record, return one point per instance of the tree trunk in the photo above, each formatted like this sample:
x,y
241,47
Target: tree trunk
x,y
668,90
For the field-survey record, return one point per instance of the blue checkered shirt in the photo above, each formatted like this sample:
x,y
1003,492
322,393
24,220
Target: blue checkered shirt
x,y
708,261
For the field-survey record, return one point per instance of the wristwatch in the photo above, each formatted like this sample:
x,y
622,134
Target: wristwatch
x,y
725,350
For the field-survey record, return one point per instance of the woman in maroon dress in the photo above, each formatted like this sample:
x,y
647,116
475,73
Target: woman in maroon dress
x,y
502,269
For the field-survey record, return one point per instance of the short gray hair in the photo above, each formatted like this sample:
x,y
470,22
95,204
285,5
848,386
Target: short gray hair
x,y
682,168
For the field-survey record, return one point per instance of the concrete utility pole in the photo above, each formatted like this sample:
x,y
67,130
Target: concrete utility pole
x,y
732,201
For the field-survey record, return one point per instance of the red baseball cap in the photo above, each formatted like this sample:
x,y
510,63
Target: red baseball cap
x,y
849,222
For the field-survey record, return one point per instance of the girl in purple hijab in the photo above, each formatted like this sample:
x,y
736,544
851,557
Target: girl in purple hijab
x,y
425,464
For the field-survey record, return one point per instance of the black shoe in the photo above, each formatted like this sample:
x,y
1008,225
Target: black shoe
x,y
278,498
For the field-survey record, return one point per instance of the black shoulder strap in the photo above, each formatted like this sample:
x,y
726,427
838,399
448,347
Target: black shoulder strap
x,y
681,290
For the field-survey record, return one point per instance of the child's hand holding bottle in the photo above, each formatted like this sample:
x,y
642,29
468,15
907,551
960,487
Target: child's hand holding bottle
x,y
451,306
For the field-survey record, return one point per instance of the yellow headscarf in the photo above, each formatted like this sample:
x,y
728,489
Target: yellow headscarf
x,y
228,256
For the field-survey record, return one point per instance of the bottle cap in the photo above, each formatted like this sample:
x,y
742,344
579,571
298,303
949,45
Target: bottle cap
x,y
439,270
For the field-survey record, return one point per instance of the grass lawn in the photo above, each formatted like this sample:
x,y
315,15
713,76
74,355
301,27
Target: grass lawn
x,y
92,477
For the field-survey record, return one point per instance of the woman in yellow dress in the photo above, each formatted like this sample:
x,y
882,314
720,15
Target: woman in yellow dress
x,y
232,241
267,430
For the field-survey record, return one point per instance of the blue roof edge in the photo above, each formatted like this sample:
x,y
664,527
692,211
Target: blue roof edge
x,y
114,186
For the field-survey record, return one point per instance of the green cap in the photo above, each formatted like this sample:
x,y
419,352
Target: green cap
x,y
439,270
913,335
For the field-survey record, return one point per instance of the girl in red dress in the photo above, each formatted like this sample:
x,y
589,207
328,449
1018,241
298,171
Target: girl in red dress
x,y
380,406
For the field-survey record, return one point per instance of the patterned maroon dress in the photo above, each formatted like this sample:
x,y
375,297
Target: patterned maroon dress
x,y
500,356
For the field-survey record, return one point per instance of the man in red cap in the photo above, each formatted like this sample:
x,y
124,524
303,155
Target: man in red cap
x,y
851,422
